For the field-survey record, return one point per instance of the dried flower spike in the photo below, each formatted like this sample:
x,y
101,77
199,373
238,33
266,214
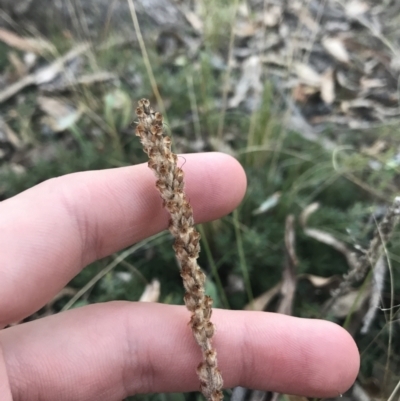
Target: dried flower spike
x,y
370,257
170,184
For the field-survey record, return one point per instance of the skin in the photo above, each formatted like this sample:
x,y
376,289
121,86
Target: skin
x,y
109,351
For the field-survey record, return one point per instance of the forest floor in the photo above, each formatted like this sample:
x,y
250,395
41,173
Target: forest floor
x,y
304,94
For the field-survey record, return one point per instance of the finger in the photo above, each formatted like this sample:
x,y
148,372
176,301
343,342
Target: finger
x,y
51,231
5,390
110,351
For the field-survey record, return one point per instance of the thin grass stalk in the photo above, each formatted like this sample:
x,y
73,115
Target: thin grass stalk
x,y
214,268
146,58
242,258
356,304
170,183
390,340
118,259
225,88
394,392
193,106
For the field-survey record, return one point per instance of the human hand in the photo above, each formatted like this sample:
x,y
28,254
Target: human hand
x,y
109,351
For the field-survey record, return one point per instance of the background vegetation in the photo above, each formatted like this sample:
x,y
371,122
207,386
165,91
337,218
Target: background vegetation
x,y
286,173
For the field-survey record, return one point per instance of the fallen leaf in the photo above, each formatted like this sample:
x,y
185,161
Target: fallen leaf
x,y
371,83
194,20
329,239
272,16
307,74
43,75
50,72
244,29
86,80
53,107
346,82
30,60
60,115
290,242
301,93
243,10
289,280
378,283
268,204
352,301
336,48
249,81
318,281
16,168
34,45
307,212
17,63
125,277
376,148
328,86
382,112
355,8
117,108
347,105
151,292
307,20
360,394
261,302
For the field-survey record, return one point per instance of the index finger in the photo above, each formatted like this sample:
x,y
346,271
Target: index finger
x,y
50,232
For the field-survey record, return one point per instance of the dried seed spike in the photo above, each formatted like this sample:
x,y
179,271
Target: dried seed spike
x,y
139,112
170,183
167,142
369,258
139,130
144,103
158,117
